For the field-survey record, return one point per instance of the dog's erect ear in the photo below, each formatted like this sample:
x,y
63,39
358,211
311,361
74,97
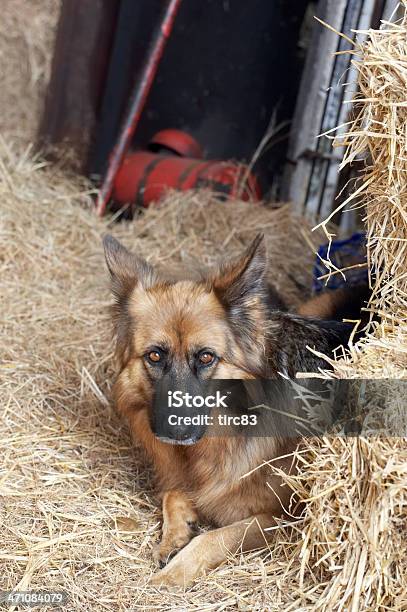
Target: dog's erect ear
x,y
126,269
240,282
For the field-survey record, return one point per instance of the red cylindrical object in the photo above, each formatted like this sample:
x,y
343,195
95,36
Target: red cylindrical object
x,y
177,142
145,177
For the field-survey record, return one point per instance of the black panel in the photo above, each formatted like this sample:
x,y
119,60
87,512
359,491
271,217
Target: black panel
x,y
227,65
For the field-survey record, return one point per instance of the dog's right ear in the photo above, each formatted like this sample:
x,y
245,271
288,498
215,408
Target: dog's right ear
x,y
241,282
126,269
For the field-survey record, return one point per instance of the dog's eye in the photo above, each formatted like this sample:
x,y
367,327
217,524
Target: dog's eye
x,y
206,358
154,356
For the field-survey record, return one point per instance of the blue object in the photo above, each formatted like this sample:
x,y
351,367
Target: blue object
x,y
343,253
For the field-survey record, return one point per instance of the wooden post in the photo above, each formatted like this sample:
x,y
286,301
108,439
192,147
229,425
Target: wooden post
x,y
311,103
311,176
82,48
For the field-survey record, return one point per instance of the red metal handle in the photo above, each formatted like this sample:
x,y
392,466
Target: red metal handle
x,y
137,103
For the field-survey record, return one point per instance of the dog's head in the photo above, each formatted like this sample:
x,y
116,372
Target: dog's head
x,y
176,335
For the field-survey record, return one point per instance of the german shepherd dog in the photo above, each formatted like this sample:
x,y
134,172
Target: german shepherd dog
x,y
223,326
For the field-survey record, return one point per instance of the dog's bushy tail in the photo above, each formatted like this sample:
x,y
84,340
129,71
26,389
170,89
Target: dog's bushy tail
x,y
344,303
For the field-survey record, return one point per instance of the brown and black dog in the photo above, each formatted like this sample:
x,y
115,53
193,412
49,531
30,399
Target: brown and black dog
x,y
220,327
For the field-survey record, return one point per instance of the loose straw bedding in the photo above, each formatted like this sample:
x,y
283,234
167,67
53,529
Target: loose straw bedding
x,y
77,507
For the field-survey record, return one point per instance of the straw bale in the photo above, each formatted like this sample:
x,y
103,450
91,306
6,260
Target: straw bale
x,y
377,139
27,31
354,540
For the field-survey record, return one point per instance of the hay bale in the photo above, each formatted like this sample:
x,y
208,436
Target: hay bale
x,y
379,136
353,551
27,31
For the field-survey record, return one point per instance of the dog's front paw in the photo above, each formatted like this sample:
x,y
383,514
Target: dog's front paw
x,y
182,570
172,542
179,526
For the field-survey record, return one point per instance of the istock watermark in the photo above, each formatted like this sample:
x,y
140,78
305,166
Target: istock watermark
x,y
281,407
178,399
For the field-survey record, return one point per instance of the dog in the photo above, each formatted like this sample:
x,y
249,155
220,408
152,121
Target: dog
x,y
221,326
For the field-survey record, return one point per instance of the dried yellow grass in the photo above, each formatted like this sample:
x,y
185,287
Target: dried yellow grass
x,y
77,508
27,31
378,135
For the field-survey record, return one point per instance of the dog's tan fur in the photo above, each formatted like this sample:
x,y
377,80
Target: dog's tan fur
x,y
343,303
203,481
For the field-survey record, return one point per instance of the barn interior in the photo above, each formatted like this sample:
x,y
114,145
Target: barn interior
x,y
184,129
